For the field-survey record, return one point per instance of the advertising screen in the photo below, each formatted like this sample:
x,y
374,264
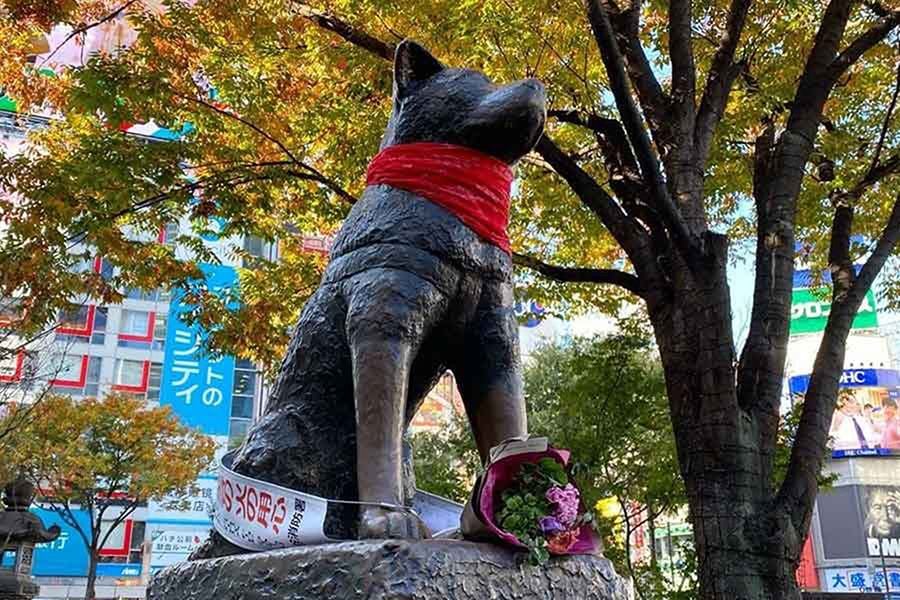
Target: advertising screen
x,y
866,421
860,522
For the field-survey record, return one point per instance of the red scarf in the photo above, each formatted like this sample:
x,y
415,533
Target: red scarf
x,y
471,185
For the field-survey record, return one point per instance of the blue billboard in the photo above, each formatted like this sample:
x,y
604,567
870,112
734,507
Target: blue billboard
x,y
197,386
885,378
67,555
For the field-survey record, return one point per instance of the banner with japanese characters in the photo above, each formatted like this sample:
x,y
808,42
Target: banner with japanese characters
x,y
195,384
193,506
170,544
257,515
862,579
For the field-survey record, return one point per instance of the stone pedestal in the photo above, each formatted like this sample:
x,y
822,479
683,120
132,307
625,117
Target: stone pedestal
x,y
388,569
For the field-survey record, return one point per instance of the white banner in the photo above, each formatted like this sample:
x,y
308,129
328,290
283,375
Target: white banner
x,y
174,544
257,515
193,507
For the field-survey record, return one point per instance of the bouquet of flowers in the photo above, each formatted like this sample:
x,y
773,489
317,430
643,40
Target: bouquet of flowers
x,y
526,498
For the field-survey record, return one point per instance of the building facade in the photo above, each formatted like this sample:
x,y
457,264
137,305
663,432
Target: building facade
x,y
854,544
143,348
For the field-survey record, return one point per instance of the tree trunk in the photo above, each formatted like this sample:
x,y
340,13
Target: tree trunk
x,y
744,558
89,592
747,547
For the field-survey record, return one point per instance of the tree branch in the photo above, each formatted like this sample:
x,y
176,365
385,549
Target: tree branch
x,y
870,38
654,102
580,274
684,75
720,79
355,36
85,28
839,262
625,178
681,236
885,125
810,446
778,177
588,191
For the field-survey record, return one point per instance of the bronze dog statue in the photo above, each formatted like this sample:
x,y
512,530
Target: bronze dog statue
x,y
410,291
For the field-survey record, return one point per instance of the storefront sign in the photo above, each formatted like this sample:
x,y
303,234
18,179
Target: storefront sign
x,y
883,378
197,386
195,507
119,570
174,544
861,580
66,555
810,310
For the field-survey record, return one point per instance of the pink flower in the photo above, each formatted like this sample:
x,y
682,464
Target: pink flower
x,y
561,542
566,500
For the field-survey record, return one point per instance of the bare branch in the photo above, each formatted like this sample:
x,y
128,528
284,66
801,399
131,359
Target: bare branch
x,y
681,236
654,102
681,54
580,274
355,36
865,42
87,27
720,79
885,125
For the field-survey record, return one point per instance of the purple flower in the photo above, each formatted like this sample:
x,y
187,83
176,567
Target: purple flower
x,y
551,526
566,500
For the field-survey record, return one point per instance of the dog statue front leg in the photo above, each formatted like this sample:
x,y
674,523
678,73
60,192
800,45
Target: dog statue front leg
x,y
380,379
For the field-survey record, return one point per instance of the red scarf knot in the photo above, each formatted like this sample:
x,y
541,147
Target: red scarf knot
x,y
471,185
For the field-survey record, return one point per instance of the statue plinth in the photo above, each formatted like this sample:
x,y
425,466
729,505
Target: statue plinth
x,y
382,569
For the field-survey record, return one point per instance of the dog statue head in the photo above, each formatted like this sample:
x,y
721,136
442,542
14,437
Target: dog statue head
x,y
434,103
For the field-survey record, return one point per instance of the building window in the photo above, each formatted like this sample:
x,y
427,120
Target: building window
x,y
168,234
98,336
136,328
81,323
237,432
159,331
157,295
70,373
118,542
256,248
136,323
244,390
131,375
78,320
12,366
10,311
153,382
92,380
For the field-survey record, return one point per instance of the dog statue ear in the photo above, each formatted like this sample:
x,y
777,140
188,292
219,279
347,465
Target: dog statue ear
x,y
413,63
